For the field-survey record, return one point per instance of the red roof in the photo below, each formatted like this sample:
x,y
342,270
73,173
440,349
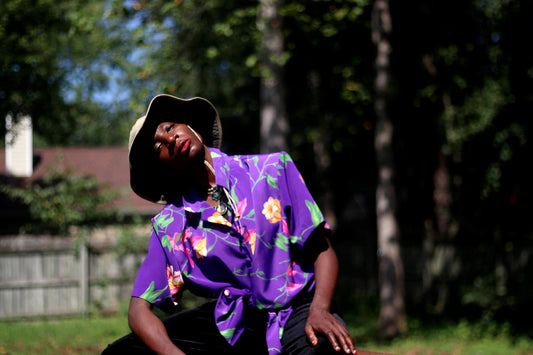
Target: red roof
x,y
107,164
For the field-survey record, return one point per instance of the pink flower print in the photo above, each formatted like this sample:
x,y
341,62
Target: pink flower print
x,y
290,269
285,226
175,280
240,229
187,252
186,236
241,207
292,287
200,246
250,237
173,241
175,283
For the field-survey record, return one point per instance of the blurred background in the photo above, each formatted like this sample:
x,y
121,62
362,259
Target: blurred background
x,y
409,122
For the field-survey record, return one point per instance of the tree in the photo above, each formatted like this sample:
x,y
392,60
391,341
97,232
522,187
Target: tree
x,y
273,115
56,55
391,277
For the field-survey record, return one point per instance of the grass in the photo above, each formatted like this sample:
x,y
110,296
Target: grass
x,y
80,335
454,338
446,341
91,334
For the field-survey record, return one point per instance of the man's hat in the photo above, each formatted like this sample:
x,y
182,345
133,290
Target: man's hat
x,y
197,112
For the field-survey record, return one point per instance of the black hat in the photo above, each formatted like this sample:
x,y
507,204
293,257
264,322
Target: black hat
x,y
197,112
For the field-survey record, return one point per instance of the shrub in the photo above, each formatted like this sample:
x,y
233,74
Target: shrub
x,y
61,200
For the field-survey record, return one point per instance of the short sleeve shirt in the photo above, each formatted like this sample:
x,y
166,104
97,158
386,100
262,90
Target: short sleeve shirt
x,y
246,257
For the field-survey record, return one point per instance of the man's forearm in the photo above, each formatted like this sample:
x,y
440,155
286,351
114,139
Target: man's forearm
x,y
149,328
326,273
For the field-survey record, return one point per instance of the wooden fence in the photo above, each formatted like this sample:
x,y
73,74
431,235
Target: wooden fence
x,y
52,276
46,276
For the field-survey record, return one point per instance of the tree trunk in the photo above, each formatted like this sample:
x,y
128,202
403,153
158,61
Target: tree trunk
x,y
274,123
441,265
326,199
391,276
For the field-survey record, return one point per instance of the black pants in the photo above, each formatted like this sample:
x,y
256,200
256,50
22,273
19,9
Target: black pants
x,y
195,332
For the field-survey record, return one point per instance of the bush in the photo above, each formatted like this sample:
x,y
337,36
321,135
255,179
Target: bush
x,y
61,200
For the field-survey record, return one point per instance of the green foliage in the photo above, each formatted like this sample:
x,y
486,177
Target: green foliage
x,y
56,56
132,240
62,200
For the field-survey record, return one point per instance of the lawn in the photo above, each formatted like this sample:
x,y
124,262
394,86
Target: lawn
x,y
90,335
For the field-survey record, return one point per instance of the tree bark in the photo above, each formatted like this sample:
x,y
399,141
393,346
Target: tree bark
x,y
391,276
273,116
441,263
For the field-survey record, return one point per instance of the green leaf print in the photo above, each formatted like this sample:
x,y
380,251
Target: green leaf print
x,y
150,295
228,333
165,242
282,242
272,181
251,214
316,214
295,239
162,222
284,158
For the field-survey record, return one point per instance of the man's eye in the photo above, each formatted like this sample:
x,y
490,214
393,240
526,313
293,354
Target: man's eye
x,y
169,128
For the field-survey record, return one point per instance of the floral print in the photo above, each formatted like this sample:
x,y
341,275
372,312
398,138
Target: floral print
x,y
244,257
218,218
199,245
272,210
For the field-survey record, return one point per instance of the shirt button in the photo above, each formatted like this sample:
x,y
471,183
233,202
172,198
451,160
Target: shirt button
x,y
226,293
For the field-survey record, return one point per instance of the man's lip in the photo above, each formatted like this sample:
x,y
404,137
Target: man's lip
x,y
183,146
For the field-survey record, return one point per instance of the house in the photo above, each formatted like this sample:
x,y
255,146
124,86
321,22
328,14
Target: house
x,y
22,165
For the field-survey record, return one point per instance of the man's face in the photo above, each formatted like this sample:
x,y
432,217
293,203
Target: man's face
x,y
177,146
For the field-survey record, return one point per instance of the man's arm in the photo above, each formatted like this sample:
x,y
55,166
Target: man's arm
x,y
320,318
149,328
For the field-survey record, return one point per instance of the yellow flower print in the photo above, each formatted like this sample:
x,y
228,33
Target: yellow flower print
x,y
272,210
175,280
200,247
250,237
218,218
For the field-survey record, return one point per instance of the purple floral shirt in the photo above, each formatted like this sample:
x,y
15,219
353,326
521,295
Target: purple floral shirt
x,y
239,261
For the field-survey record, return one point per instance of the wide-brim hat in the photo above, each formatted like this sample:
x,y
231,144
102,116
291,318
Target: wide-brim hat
x,y
145,171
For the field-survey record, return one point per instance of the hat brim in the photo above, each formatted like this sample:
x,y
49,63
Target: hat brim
x,y
197,112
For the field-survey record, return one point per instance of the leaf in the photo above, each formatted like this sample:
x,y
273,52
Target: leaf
x,y
272,181
284,158
162,222
316,214
165,242
282,242
228,333
150,295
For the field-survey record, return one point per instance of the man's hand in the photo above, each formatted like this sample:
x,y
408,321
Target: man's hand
x,y
321,320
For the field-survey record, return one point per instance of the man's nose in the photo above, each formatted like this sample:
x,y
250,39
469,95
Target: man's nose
x,y
170,138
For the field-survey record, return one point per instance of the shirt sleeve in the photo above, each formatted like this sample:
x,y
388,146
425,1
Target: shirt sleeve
x,y
151,283
303,213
